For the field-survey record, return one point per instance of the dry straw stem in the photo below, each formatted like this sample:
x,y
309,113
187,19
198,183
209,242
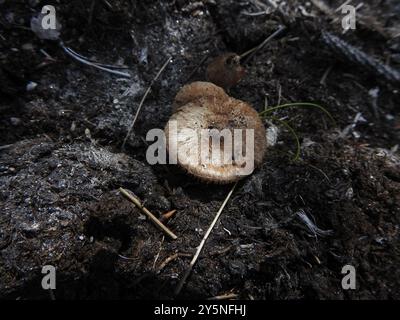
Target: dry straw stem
x,y
171,258
157,222
203,241
227,296
261,45
144,98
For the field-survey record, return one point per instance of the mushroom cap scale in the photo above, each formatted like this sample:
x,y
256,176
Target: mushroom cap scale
x,y
221,113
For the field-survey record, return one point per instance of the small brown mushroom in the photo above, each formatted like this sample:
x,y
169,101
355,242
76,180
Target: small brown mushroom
x,y
225,70
196,90
201,112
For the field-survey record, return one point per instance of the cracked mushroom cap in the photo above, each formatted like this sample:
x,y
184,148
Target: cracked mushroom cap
x,y
216,112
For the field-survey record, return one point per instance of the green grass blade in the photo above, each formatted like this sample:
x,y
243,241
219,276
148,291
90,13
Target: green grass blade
x,y
299,104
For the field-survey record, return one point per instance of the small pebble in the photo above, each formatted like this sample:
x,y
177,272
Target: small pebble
x,y
87,133
27,46
396,58
31,86
389,117
15,121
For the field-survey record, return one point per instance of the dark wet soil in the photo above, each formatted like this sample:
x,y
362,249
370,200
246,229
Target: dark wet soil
x,y
61,161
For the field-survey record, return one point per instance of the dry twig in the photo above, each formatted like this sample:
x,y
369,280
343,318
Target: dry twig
x,y
262,44
157,222
143,99
203,241
227,296
171,258
256,14
158,253
325,75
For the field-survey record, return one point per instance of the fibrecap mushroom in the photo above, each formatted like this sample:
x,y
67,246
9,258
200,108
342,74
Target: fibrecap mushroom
x,y
202,107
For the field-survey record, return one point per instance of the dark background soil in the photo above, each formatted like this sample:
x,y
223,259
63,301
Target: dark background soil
x,y
61,161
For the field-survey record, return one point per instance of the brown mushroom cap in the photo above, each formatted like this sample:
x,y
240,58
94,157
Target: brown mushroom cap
x,y
225,70
214,112
195,90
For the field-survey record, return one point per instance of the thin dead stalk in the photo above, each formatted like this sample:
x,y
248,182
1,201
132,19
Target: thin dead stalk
x,y
227,296
152,217
256,14
144,98
202,243
158,253
171,258
262,44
